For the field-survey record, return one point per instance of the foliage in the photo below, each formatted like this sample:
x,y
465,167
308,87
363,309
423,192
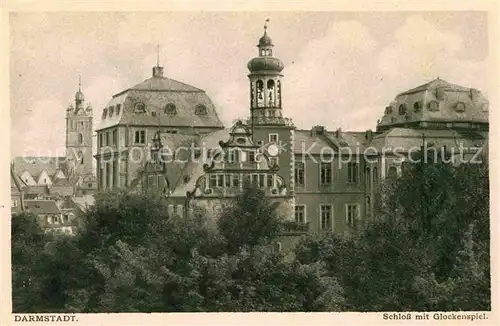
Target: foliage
x,y
251,220
412,257
132,257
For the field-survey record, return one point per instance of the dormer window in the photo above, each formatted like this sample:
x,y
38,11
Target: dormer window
x,y
460,107
118,106
111,110
402,109
433,106
388,110
201,109
170,109
417,106
140,108
104,113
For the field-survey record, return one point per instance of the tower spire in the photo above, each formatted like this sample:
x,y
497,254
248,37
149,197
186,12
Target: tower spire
x,y
158,70
158,54
79,83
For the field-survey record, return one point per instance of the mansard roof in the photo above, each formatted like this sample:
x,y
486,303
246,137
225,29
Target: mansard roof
x,y
161,101
436,101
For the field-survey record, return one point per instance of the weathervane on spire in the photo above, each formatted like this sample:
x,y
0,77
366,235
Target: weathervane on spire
x,y
80,83
158,54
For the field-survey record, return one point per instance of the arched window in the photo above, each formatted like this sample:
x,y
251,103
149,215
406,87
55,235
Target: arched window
x,y
80,157
260,92
402,109
433,106
417,106
277,247
104,113
80,138
278,94
111,110
460,107
270,93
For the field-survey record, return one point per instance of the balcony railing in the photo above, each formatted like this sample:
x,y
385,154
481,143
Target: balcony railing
x,y
294,227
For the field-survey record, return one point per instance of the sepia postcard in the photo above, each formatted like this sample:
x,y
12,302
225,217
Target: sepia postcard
x,y
256,163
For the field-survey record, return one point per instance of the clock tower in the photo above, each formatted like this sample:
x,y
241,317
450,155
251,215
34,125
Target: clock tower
x,y
270,128
79,136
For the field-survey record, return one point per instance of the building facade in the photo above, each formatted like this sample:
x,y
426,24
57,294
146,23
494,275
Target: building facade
x,y
165,134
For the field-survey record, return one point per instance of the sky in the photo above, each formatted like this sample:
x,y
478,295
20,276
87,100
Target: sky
x,y
341,68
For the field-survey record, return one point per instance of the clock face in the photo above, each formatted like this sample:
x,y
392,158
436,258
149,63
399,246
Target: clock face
x,y
273,150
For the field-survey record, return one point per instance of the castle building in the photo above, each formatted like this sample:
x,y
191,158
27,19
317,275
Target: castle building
x,y
165,134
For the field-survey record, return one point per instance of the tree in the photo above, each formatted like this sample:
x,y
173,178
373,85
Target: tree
x,y
27,252
412,257
250,220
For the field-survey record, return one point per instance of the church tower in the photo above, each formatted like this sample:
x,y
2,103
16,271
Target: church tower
x,y
79,136
270,128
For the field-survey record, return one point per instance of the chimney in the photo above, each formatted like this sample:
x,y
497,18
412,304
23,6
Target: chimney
x,y
318,130
338,133
157,71
369,135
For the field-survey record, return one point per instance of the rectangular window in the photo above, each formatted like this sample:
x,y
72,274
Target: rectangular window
x,y
152,181
140,137
14,203
299,173
270,180
230,155
99,140
326,173
352,172
326,217
228,180
213,180
108,175
352,214
251,156
180,210
56,220
236,180
273,161
300,213
220,180
262,179
107,138
273,138
115,138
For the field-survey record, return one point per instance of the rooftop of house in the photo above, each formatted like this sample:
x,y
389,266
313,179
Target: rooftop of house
x,y
42,207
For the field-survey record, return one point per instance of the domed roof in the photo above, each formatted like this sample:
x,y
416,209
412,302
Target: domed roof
x,y
266,64
265,40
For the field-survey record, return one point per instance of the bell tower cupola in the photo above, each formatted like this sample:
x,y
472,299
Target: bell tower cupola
x,y
265,84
